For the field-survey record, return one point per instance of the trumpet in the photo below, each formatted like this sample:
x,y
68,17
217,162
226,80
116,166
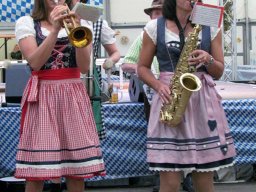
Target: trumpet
x,y
79,36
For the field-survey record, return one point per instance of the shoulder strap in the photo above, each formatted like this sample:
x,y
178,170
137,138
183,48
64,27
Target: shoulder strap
x,y
97,26
181,31
160,38
206,39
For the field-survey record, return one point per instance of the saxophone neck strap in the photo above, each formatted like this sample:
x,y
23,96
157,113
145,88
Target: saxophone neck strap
x,y
181,31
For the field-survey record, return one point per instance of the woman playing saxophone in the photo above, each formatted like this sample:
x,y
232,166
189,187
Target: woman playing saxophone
x,y
201,142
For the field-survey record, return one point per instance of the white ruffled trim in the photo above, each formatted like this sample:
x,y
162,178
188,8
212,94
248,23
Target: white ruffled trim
x,y
24,36
189,170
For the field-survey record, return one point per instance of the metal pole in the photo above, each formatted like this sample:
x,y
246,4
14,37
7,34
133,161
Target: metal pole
x,y
221,4
229,37
5,48
247,56
108,11
90,77
234,44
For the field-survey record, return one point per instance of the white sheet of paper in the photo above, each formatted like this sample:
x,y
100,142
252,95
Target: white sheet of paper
x,y
87,12
206,14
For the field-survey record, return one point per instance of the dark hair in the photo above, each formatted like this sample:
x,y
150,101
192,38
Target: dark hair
x,y
69,4
39,11
169,9
83,1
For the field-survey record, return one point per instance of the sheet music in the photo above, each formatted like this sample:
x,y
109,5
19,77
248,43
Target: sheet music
x,y
87,12
209,15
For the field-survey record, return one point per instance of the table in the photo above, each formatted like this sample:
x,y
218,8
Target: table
x,y
124,148
125,143
9,136
6,38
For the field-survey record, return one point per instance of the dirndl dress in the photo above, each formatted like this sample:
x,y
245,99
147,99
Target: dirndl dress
x,y
201,142
58,136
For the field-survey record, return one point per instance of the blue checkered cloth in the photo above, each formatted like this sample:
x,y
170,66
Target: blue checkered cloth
x,y
11,10
95,2
241,115
9,137
124,149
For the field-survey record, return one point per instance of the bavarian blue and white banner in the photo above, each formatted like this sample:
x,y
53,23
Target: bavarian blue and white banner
x,y
95,2
11,10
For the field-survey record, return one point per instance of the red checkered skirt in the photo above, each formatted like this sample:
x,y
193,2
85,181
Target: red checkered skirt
x,y
59,137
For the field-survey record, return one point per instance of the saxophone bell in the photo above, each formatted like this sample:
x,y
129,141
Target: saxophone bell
x,y
190,82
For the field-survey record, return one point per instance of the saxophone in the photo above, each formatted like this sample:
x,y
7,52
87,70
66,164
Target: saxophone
x,y
182,84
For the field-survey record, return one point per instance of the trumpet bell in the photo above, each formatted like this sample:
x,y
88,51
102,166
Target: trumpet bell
x,y
80,36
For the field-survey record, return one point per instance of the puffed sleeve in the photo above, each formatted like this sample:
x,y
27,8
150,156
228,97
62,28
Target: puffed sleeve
x,y
107,34
151,29
24,27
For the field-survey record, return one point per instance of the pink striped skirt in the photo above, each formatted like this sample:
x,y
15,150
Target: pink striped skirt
x,y
59,137
201,142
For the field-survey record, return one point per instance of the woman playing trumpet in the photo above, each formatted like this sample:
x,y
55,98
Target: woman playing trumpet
x,y
58,136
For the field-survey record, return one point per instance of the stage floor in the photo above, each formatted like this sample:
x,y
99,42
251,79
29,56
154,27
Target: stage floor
x,y
219,187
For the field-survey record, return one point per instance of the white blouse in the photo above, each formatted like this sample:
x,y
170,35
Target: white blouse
x,y
107,34
25,27
151,29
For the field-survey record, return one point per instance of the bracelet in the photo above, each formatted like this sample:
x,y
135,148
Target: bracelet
x,y
211,62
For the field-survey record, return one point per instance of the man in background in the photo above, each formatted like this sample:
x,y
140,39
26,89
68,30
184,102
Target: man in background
x,y
132,56
105,36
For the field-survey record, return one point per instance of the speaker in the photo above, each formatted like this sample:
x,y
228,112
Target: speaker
x,y
16,78
136,91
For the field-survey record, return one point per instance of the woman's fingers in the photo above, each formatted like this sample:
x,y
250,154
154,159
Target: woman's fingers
x,y
198,57
164,94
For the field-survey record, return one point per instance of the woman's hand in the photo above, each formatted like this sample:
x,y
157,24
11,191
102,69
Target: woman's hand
x,y
58,14
199,58
164,92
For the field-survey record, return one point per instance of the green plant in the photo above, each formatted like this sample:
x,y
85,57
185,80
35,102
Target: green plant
x,y
228,14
